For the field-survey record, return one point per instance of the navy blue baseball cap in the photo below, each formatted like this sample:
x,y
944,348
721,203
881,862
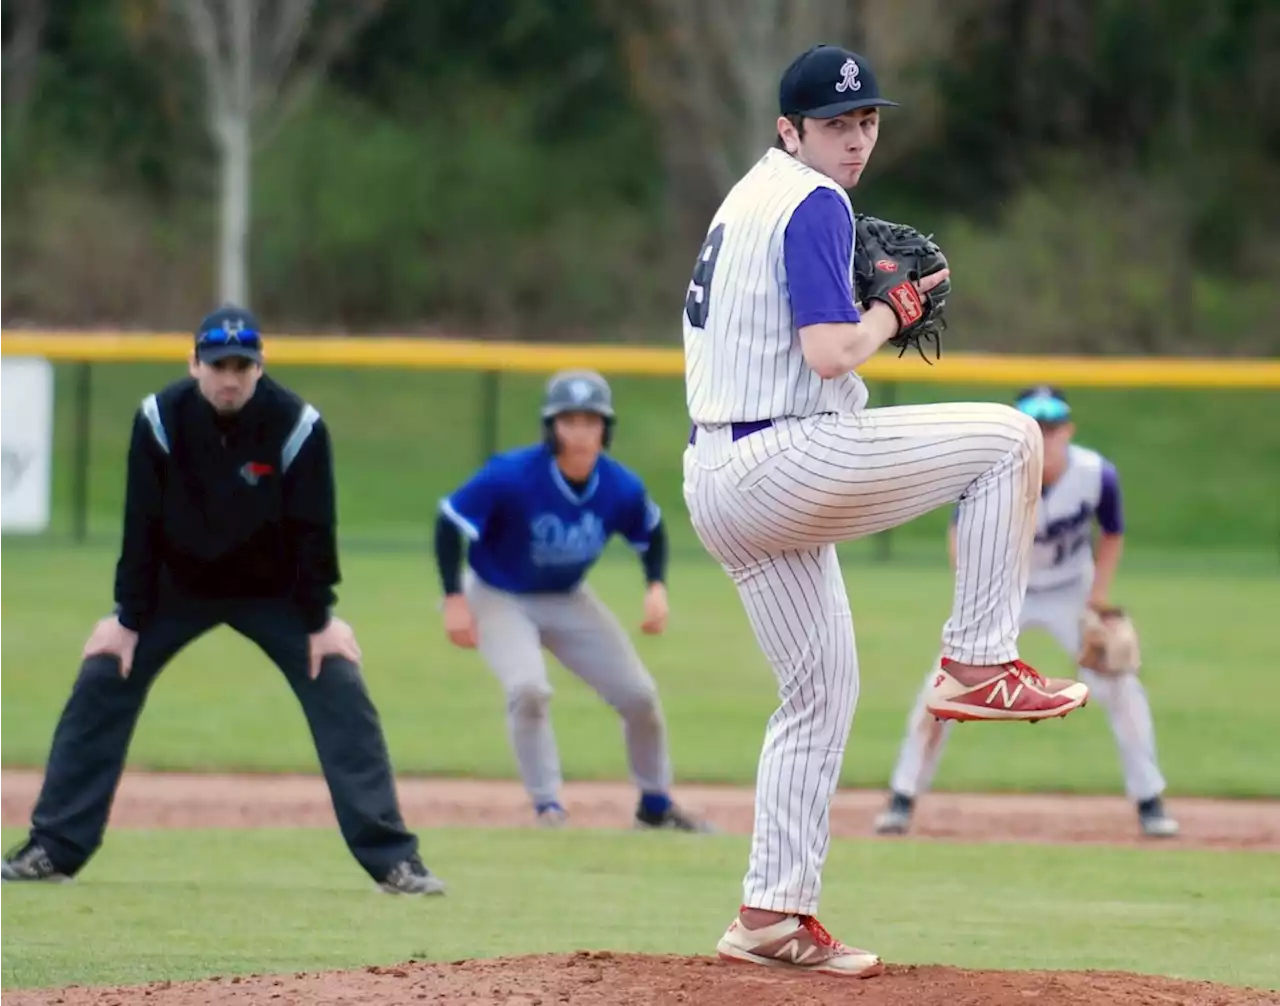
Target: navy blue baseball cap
x,y
826,81
227,332
1044,403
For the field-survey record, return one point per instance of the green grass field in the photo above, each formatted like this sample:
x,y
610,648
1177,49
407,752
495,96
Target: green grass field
x,y
280,901
1207,646
1200,576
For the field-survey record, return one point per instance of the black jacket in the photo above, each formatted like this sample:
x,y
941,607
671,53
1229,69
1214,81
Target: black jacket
x,y
219,508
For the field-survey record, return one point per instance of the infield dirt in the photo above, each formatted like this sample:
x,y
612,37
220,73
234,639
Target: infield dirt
x,y
589,978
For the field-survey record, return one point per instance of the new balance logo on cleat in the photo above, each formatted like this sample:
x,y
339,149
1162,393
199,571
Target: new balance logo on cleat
x,y
1014,691
795,953
1002,689
799,942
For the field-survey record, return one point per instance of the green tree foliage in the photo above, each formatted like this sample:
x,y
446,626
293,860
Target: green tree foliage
x,y
1104,173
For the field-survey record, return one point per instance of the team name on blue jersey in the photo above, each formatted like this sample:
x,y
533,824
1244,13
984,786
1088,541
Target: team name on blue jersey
x,y
530,531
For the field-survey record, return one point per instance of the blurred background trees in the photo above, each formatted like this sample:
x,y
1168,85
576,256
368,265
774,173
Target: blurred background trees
x,y
1104,174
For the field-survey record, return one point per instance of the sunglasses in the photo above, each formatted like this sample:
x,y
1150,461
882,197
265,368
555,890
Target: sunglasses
x,y
1045,410
245,337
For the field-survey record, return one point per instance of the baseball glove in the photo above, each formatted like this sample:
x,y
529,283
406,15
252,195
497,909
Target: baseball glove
x,y
1108,641
888,259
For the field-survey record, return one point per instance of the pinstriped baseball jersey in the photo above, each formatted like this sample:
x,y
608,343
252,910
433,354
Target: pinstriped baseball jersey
x,y
743,360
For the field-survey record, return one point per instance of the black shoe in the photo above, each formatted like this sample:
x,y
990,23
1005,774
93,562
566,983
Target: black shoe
x,y
671,819
1153,820
31,862
896,818
411,877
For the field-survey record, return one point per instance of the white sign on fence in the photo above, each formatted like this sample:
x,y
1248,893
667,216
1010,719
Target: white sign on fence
x,y
26,428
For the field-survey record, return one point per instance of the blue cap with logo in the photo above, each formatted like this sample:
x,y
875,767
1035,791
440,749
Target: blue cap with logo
x,y
1044,403
826,81
227,332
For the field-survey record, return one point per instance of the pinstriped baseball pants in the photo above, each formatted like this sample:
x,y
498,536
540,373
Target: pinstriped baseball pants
x,y
770,506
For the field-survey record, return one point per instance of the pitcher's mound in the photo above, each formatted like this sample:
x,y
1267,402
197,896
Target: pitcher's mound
x,y
598,978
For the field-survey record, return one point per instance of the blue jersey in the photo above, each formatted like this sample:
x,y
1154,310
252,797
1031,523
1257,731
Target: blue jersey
x,y
530,531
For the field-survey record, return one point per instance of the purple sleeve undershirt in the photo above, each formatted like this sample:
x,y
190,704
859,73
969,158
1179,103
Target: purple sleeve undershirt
x,y
818,253
1110,512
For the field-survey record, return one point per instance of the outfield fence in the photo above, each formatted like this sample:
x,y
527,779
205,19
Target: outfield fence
x,y
485,391
526,357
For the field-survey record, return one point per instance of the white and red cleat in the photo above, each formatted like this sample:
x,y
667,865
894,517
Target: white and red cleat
x,y
1012,691
798,942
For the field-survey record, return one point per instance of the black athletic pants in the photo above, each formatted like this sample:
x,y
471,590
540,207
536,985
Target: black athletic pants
x,y
92,737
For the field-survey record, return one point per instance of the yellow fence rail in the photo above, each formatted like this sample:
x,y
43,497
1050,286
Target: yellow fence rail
x,y
493,360
461,354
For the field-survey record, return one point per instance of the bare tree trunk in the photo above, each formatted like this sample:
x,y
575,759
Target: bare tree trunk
x,y
1182,276
236,146
252,82
233,271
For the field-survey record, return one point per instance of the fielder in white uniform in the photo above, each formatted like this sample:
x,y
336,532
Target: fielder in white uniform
x,y
1068,572
784,459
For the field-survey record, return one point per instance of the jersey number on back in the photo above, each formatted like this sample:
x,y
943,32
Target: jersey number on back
x,y
697,302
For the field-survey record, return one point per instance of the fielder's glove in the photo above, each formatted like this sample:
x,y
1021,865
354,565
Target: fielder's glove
x,y
1108,641
888,259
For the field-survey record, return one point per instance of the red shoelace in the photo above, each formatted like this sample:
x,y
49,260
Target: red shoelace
x,y
819,933
1026,672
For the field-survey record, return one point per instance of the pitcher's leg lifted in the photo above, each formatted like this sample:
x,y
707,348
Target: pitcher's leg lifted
x,y
843,477
989,458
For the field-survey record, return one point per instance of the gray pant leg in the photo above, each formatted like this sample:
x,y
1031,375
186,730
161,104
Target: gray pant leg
x,y
922,746
510,643
1123,696
588,639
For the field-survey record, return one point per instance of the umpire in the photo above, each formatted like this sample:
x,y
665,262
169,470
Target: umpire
x,y
229,519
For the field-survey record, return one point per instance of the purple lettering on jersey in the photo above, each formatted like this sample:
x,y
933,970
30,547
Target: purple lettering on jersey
x,y
1063,525
1110,511
818,253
